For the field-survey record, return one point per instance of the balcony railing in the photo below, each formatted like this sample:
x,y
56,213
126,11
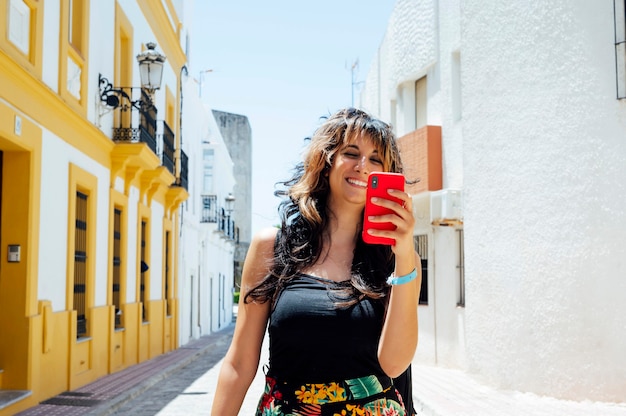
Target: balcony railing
x,y
211,213
209,208
146,132
166,151
184,169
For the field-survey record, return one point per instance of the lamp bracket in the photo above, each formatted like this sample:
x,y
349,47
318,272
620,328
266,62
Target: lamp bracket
x,y
116,97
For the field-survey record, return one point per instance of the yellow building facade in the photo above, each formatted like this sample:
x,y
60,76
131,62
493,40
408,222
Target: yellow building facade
x,y
89,193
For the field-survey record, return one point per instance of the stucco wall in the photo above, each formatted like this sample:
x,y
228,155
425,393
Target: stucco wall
x,y
544,152
532,132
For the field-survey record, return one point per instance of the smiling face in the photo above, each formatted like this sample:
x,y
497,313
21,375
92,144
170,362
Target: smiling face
x,y
351,166
350,143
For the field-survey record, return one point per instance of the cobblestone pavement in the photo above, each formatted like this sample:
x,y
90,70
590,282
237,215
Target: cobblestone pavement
x,y
182,382
189,390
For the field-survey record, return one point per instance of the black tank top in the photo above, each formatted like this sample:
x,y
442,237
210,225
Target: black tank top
x,y
314,341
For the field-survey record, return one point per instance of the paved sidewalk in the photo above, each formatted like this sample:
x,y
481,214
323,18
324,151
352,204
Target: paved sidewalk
x,y
106,394
191,373
446,392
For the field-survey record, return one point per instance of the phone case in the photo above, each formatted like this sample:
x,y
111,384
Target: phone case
x,y
377,185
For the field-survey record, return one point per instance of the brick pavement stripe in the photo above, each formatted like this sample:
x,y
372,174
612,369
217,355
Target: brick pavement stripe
x,y
115,389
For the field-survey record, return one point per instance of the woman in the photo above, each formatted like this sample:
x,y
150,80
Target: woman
x,y
342,314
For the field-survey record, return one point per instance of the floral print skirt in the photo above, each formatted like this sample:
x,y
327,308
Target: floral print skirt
x,y
364,396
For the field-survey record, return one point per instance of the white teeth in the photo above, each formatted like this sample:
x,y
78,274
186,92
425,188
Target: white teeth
x,y
357,182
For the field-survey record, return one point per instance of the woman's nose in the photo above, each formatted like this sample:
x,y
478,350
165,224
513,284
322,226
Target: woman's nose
x,y
361,165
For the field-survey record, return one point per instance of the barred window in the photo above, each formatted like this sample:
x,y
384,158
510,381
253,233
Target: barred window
x,y
117,264
80,263
421,245
619,10
166,274
144,269
461,267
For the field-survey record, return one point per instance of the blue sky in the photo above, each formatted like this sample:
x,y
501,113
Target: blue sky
x,y
283,64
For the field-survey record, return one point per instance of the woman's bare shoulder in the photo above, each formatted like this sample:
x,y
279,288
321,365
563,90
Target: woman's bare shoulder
x,y
262,243
266,234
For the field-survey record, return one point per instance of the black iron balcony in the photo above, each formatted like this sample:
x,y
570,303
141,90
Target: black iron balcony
x,y
166,141
226,225
209,208
184,169
146,132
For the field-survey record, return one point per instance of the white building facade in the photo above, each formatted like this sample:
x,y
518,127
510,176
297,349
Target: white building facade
x,y
208,235
524,227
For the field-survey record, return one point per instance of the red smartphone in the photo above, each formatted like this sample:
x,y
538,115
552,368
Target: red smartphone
x,y
377,185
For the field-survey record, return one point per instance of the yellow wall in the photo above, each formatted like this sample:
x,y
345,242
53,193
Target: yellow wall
x,y
39,350
19,225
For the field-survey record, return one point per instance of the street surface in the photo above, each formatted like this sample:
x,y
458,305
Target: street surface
x,y
189,390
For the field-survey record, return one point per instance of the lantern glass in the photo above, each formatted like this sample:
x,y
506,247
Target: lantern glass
x,y
151,68
230,203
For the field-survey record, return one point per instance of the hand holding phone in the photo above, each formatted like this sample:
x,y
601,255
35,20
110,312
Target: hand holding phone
x,y
378,184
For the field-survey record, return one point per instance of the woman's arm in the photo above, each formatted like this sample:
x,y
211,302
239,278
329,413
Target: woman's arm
x,y
398,340
242,359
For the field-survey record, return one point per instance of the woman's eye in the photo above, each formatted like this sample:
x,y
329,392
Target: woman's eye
x,y
377,161
348,154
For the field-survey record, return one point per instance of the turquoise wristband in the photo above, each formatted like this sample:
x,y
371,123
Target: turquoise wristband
x,y
400,280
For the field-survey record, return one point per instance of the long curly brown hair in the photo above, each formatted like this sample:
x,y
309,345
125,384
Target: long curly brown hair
x,y
304,217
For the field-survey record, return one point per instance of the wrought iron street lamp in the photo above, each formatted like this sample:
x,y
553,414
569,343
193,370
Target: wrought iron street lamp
x,y
230,203
151,74
151,68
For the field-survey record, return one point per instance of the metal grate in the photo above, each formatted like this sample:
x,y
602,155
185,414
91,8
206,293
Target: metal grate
x,y
421,245
76,393
80,263
461,267
117,265
142,285
71,401
619,25
168,311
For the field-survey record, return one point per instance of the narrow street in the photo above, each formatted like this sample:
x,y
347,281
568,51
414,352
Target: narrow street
x,y
189,390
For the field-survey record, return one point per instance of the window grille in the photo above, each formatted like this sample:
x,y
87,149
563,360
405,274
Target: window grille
x,y
117,264
619,10
80,264
142,278
461,267
168,311
421,245
209,208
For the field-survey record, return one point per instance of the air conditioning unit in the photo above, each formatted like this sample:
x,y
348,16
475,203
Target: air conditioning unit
x,y
421,212
446,207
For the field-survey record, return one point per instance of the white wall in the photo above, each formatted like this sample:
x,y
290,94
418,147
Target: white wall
x,y
534,135
56,156
205,257
545,179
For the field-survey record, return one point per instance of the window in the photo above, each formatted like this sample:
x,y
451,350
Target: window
x,y
208,162
81,246
75,27
117,265
123,62
143,271
80,263
73,52
456,86
19,25
461,267
421,245
620,47
420,103
21,28
166,274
